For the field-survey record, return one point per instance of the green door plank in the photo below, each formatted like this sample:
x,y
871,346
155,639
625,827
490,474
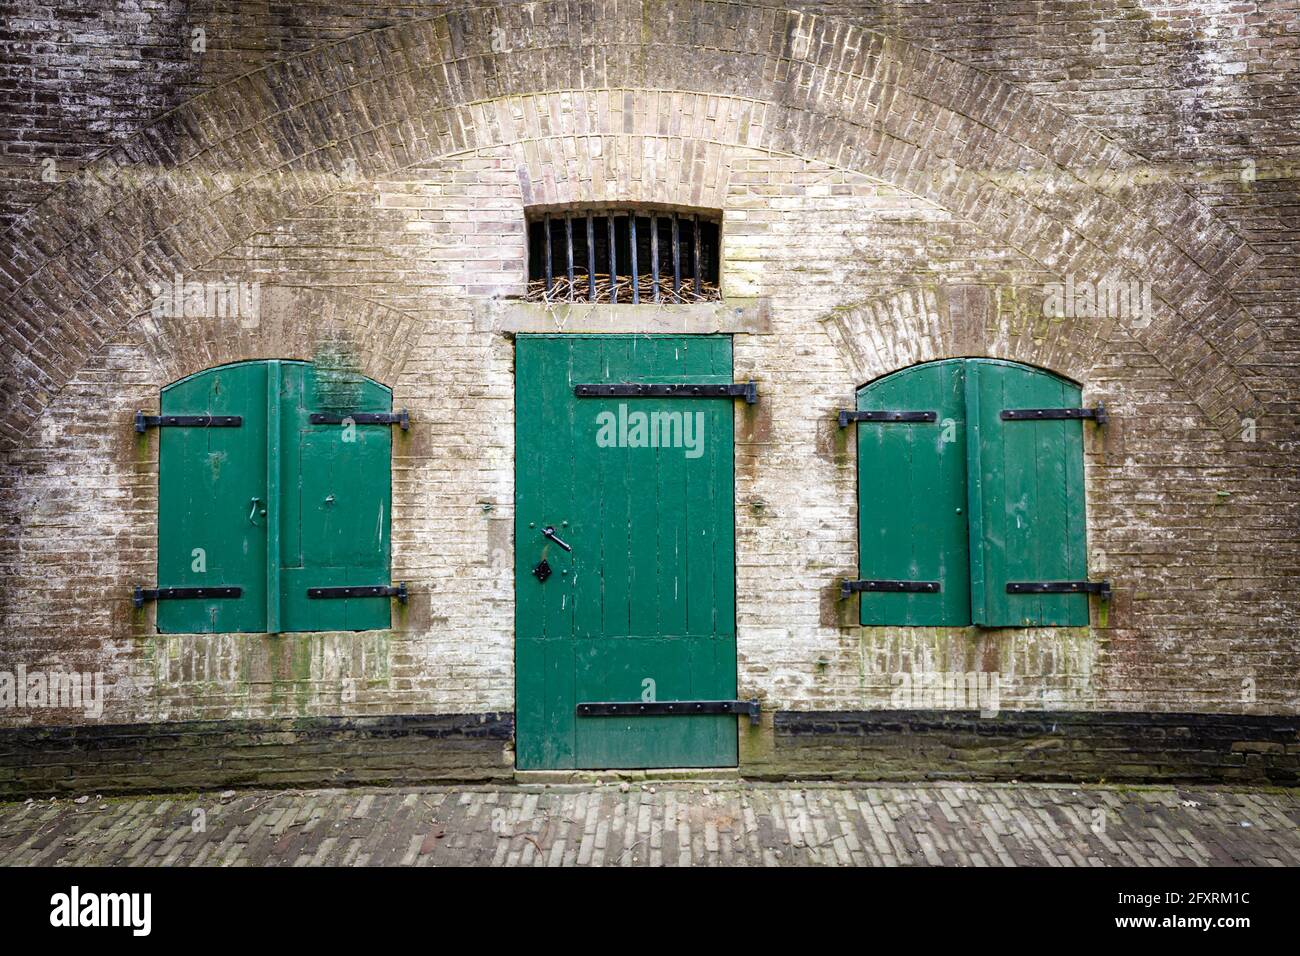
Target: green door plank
x,y
274,494
643,607
211,495
336,494
912,524
1027,497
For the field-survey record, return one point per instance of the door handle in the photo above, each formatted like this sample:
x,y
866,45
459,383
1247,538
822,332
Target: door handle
x,y
254,510
549,532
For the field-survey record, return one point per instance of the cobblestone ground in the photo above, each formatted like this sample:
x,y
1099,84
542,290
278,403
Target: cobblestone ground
x,y
666,823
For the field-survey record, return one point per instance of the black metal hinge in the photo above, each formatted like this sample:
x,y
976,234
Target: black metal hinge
x,y
1098,414
746,390
167,594
920,587
364,591
661,708
143,421
1100,588
402,418
847,416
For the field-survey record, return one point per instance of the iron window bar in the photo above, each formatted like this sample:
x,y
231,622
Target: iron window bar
x,y
638,255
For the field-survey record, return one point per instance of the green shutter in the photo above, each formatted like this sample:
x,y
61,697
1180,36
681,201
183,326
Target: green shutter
x,y
336,501
1026,497
912,497
212,492
276,506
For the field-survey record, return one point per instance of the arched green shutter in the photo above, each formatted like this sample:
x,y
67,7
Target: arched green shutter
x,y
212,501
912,498
1026,497
337,500
278,505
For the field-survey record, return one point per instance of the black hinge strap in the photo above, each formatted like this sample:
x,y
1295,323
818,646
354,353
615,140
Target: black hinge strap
x,y
1098,414
661,708
886,415
1101,588
921,587
143,421
746,390
402,418
377,590
167,594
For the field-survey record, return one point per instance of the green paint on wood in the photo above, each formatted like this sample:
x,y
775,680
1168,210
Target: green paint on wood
x,y
971,501
211,492
643,608
275,506
1028,497
337,503
912,497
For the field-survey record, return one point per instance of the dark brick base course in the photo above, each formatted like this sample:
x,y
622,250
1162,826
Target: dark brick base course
x,y
1034,745
206,755
1060,746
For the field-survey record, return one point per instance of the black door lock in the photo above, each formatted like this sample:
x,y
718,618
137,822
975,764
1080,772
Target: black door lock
x,y
542,571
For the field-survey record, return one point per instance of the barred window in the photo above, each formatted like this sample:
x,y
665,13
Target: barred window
x,y
630,255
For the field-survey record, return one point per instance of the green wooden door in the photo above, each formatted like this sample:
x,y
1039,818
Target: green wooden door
x,y
643,607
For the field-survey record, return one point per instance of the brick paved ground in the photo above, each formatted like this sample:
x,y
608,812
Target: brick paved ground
x,y
667,823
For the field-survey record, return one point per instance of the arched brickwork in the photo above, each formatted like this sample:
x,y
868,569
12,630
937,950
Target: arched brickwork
x,y
78,265
291,323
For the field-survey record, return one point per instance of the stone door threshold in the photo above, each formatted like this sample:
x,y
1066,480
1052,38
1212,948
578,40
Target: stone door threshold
x,y
667,774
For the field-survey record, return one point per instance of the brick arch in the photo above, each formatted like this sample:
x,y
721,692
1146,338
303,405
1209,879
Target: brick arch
x,y
785,81
291,323
924,324
566,169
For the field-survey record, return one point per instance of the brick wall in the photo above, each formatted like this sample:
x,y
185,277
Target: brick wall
x,y
887,205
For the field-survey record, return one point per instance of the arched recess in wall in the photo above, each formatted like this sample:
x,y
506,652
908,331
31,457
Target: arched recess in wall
x,y
784,81
325,326
971,497
274,500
